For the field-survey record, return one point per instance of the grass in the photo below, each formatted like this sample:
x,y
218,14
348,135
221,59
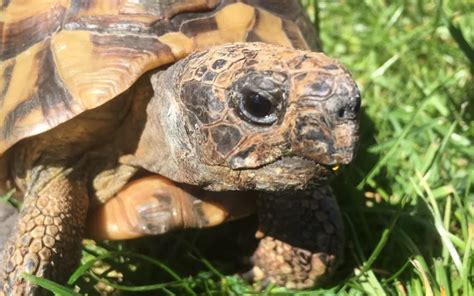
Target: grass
x,y
407,201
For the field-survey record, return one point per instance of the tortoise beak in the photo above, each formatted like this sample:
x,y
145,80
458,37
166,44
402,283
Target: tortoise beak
x,y
328,132
330,149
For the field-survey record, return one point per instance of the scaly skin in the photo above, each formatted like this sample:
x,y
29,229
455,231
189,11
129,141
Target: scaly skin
x,y
48,235
302,238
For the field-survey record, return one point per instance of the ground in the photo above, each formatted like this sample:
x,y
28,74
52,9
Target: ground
x,y
408,202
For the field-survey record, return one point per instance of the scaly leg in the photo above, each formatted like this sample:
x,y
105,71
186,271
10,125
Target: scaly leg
x,y
47,238
302,238
155,205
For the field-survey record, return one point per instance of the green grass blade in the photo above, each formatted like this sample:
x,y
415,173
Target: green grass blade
x,y
57,289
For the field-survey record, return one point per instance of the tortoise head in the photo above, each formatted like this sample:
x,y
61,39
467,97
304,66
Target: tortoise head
x,y
256,116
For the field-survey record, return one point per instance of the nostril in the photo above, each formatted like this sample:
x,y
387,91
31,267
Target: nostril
x,y
341,112
350,111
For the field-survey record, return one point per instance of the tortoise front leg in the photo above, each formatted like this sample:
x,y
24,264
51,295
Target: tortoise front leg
x,y
46,241
301,238
155,205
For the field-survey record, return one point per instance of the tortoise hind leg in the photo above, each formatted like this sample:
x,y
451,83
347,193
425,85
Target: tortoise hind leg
x,y
155,205
47,238
301,238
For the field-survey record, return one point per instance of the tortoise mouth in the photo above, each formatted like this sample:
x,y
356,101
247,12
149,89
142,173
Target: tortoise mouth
x,y
287,173
283,174
317,170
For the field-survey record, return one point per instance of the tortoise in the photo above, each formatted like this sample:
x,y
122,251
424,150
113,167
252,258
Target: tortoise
x,y
123,103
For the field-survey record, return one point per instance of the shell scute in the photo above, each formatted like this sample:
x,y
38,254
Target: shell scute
x,y
24,23
97,67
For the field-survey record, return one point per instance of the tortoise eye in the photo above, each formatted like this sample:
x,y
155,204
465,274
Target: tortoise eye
x,y
257,105
258,108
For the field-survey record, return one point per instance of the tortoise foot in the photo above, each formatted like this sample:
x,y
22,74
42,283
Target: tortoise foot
x,y
280,263
301,238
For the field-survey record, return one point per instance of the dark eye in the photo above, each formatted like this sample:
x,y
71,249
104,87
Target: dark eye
x,y
258,108
257,105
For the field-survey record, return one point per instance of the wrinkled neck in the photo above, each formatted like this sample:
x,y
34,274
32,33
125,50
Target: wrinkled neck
x,y
163,146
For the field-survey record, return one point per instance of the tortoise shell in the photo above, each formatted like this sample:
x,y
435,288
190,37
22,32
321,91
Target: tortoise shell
x,y
59,58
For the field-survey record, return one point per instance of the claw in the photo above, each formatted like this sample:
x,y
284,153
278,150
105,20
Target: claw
x,y
258,277
280,263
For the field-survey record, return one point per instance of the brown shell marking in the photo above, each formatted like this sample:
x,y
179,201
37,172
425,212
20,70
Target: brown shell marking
x,y
64,58
144,11
24,23
117,63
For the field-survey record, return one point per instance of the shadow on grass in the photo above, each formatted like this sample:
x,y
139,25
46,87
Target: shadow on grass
x,y
205,255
